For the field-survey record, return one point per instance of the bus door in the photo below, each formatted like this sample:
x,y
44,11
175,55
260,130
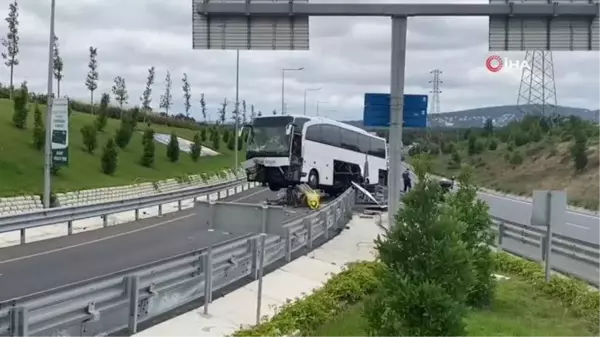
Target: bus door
x,y
295,134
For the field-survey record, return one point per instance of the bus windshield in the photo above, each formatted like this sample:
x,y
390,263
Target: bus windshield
x,y
268,137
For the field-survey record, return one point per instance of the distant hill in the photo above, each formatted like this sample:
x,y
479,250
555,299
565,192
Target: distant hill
x,y
501,115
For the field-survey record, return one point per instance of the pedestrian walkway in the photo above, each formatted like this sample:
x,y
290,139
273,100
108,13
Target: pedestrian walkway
x,y
296,279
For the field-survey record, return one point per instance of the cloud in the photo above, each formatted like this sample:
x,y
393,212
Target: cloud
x,y
348,57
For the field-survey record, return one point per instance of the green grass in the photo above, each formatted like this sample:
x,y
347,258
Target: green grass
x,y
21,165
518,310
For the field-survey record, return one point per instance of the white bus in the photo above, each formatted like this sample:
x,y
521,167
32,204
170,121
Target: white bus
x,y
284,151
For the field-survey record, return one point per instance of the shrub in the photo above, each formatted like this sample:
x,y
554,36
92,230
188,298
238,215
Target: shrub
x,y
230,143
39,132
493,144
148,136
520,138
124,134
90,142
350,286
516,158
579,151
427,270
226,136
102,118
20,112
448,148
203,135
147,159
173,148
196,146
216,141
472,148
109,158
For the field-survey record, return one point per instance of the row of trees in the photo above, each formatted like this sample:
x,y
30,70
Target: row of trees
x,y
436,262
119,90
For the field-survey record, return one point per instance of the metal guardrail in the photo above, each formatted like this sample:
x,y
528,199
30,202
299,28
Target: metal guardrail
x,y
114,302
68,214
577,258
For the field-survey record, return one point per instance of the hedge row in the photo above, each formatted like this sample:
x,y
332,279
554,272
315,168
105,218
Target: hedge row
x,y
358,280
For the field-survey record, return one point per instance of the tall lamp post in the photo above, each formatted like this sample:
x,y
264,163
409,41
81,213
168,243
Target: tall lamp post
x,y
305,91
319,103
237,109
283,86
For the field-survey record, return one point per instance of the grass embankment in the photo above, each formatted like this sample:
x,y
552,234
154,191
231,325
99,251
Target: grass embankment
x,y
544,166
518,310
21,165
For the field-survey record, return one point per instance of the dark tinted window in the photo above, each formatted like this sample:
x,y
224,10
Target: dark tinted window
x,y
272,121
330,135
299,122
349,140
377,148
313,133
364,143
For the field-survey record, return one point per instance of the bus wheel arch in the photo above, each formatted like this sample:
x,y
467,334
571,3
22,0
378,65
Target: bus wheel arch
x,y
313,179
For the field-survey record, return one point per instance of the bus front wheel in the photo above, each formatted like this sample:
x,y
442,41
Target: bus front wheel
x,y
313,179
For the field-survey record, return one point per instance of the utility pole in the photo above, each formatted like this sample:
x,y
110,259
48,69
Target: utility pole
x,y
283,86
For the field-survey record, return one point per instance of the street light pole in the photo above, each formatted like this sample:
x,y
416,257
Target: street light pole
x,y
237,108
305,91
320,102
283,86
48,146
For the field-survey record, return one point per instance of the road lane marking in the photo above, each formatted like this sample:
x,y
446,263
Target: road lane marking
x,y
251,195
97,240
492,195
578,226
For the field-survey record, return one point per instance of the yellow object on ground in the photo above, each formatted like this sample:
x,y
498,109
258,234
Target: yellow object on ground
x,y
313,198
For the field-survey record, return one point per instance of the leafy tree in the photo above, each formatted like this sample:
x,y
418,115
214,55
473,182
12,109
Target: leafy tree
x,y
166,100
427,270
488,127
203,135
579,151
146,98
90,140
223,112
102,118
472,145
91,80
39,132
203,106
196,147
148,155
477,236
11,42
57,66
252,113
20,112
187,94
230,142
124,133
173,148
109,160
119,89
244,117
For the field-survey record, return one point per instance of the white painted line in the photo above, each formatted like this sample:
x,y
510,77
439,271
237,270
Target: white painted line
x,y
98,240
251,195
578,226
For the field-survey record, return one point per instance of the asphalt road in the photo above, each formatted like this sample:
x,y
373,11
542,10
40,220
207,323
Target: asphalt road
x,y
47,264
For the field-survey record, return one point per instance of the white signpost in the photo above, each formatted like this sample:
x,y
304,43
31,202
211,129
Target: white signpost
x,y
60,132
549,210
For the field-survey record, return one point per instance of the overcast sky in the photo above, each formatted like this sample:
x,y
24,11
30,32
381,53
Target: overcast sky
x,y
348,57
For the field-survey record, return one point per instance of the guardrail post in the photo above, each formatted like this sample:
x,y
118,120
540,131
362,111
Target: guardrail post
x,y
105,221
288,245
137,214
309,232
160,212
179,205
501,229
254,250
19,322
69,227
133,287
207,279
23,237
211,214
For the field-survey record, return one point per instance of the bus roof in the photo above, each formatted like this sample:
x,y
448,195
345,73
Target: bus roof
x,y
330,121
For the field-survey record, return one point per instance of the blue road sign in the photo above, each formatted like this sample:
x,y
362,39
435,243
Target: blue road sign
x,y
377,110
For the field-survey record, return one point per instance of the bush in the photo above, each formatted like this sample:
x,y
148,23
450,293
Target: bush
x,y
89,138
216,141
520,138
579,151
39,132
427,270
173,148
478,237
472,148
109,158
448,148
516,158
147,159
124,134
20,112
148,136
102,118
350,286
230,142
455,160
493,144
203,135
196,146
226,136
